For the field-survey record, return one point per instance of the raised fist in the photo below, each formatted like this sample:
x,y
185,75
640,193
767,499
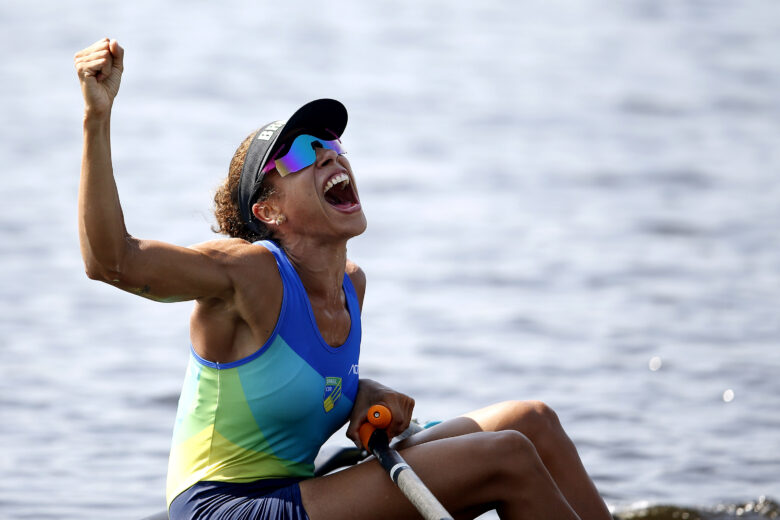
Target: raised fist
x,y
99,68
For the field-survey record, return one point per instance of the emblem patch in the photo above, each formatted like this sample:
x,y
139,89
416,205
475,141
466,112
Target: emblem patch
x,y
332,393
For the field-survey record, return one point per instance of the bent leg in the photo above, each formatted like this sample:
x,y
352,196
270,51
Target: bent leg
x,y
509,477
540,424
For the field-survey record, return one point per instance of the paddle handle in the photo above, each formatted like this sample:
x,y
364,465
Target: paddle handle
x,y
374,438
379,417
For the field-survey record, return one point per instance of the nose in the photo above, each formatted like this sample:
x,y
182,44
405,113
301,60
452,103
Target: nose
x,y
324,155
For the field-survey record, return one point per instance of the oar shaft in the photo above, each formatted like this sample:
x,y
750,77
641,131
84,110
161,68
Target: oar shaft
x,y
405,478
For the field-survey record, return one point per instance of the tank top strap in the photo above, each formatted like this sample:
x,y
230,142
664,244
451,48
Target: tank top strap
x,y
352,300
297,309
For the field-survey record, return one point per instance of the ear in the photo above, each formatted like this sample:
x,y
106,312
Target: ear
x,y
265,212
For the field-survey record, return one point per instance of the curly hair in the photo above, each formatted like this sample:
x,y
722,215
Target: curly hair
x,y
226,210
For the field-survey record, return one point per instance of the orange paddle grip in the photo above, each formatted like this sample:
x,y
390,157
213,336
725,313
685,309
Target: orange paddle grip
x,y
378,416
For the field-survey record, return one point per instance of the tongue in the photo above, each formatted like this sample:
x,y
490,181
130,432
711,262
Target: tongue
x,y
341,204
332,199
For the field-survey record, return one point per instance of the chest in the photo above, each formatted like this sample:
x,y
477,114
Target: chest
x,y
299,395
331,320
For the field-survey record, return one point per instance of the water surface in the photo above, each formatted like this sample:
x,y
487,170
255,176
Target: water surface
x,y
574,202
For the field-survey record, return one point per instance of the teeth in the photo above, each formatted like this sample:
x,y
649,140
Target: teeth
x,y
336,179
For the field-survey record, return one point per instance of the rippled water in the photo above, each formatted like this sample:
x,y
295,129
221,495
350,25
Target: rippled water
x,y
574,201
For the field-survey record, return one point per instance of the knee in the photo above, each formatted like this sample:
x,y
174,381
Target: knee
x,y
535,419
512,441
499,447
516,457
498,463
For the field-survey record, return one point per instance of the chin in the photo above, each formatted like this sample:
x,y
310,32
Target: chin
x,y
359,227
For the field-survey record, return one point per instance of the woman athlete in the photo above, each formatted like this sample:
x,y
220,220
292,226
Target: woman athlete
x,y
275,334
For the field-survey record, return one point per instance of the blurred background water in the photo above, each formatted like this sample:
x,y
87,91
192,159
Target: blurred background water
x,y
569,201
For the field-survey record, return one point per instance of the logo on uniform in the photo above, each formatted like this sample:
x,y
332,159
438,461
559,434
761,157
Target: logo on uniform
x,y
332,393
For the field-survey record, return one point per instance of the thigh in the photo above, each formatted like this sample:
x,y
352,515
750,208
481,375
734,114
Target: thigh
x,y
508,415
444,465
523,416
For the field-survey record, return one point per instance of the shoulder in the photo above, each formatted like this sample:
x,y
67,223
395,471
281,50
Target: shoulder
x,y
223,245
244,261
356,274
233,250
358,278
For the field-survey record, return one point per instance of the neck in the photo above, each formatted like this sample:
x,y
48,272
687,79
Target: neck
x,y
320,266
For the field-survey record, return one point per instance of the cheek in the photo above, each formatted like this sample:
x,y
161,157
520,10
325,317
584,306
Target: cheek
x,y
298,196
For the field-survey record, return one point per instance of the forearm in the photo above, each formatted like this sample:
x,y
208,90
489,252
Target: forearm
x,y
102,232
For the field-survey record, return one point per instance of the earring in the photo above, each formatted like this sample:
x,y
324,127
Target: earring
x,y
280,220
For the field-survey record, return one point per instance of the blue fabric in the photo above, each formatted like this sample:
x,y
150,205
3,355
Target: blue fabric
x,y
297,365
275,499
265,416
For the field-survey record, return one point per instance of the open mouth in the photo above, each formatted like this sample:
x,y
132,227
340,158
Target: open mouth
x,y
340,193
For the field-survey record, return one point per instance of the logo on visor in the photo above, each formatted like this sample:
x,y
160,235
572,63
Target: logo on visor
x,y
332,393
269,130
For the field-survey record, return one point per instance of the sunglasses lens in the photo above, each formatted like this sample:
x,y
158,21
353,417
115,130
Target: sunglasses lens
x,y
334,145
302,154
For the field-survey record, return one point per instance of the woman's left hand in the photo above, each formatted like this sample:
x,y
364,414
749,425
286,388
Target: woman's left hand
x,y
370,393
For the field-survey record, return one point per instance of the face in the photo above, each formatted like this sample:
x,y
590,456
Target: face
x,y
320,200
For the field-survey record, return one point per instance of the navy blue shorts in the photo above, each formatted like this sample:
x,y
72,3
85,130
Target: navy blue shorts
x,y
276,499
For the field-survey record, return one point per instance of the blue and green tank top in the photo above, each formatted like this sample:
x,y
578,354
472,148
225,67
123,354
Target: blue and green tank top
x,y
267,415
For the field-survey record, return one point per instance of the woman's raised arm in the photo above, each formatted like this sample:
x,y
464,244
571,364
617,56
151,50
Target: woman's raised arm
x,y
155,270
